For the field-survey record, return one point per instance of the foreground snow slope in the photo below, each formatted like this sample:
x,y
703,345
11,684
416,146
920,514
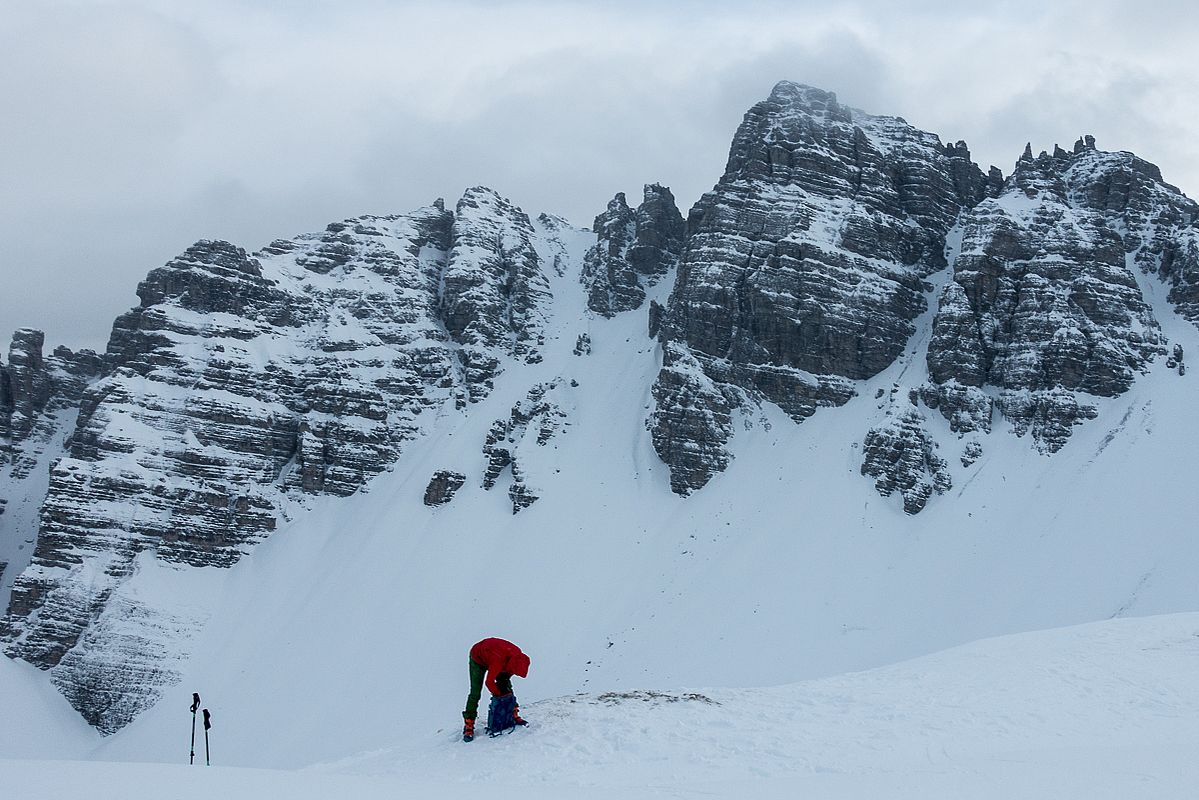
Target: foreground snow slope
x,y
1102,710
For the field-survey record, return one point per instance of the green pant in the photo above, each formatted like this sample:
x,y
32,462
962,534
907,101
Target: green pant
x,y
477,671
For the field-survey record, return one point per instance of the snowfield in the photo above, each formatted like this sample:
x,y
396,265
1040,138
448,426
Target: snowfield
x,y
1105,710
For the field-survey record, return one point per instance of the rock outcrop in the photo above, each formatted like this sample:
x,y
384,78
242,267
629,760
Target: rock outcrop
x,y
691,421
804,266
39,398
1158,224
902,457
633,251
493,288
443,486
33,390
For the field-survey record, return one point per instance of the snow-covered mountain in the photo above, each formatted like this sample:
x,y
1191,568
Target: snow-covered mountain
x,y
304,480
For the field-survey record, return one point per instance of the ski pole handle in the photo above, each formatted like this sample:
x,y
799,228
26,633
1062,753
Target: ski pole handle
x,y
195,701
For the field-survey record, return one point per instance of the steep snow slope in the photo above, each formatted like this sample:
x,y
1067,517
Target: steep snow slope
x,y
350,626
1106,710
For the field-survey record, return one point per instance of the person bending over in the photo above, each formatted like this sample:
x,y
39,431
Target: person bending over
x,y
498,660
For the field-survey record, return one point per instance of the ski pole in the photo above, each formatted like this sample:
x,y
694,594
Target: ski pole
x,y
195,705
207,725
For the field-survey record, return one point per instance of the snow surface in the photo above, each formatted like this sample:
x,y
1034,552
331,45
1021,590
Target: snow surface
x,y
1106,710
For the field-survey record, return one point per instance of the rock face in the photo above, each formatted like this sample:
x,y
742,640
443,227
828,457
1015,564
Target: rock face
x,y
1044,305
692,420
33,389
493,288
238,382
804,271
804,266
24,386
660,233
634,250
1158,225
39,395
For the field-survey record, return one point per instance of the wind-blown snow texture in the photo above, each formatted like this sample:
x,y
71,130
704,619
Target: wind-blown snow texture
x,y
315,454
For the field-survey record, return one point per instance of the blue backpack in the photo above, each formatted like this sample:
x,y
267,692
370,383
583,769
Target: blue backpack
x,y
501,715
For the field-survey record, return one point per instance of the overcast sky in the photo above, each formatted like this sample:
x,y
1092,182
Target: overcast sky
x,y
130,129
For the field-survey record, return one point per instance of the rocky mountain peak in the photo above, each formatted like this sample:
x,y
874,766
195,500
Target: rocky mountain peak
x,y
25,387
34,389
618,207
804,266
633,250
800,98
493,289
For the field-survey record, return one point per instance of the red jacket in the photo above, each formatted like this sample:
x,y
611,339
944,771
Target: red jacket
x,y
499,656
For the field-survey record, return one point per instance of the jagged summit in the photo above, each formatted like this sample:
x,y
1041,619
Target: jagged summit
x,y
793,97
810,99
634,250
1086,144
812,187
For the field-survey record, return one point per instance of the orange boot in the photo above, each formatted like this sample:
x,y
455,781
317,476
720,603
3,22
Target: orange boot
x,y
516,716
468,730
